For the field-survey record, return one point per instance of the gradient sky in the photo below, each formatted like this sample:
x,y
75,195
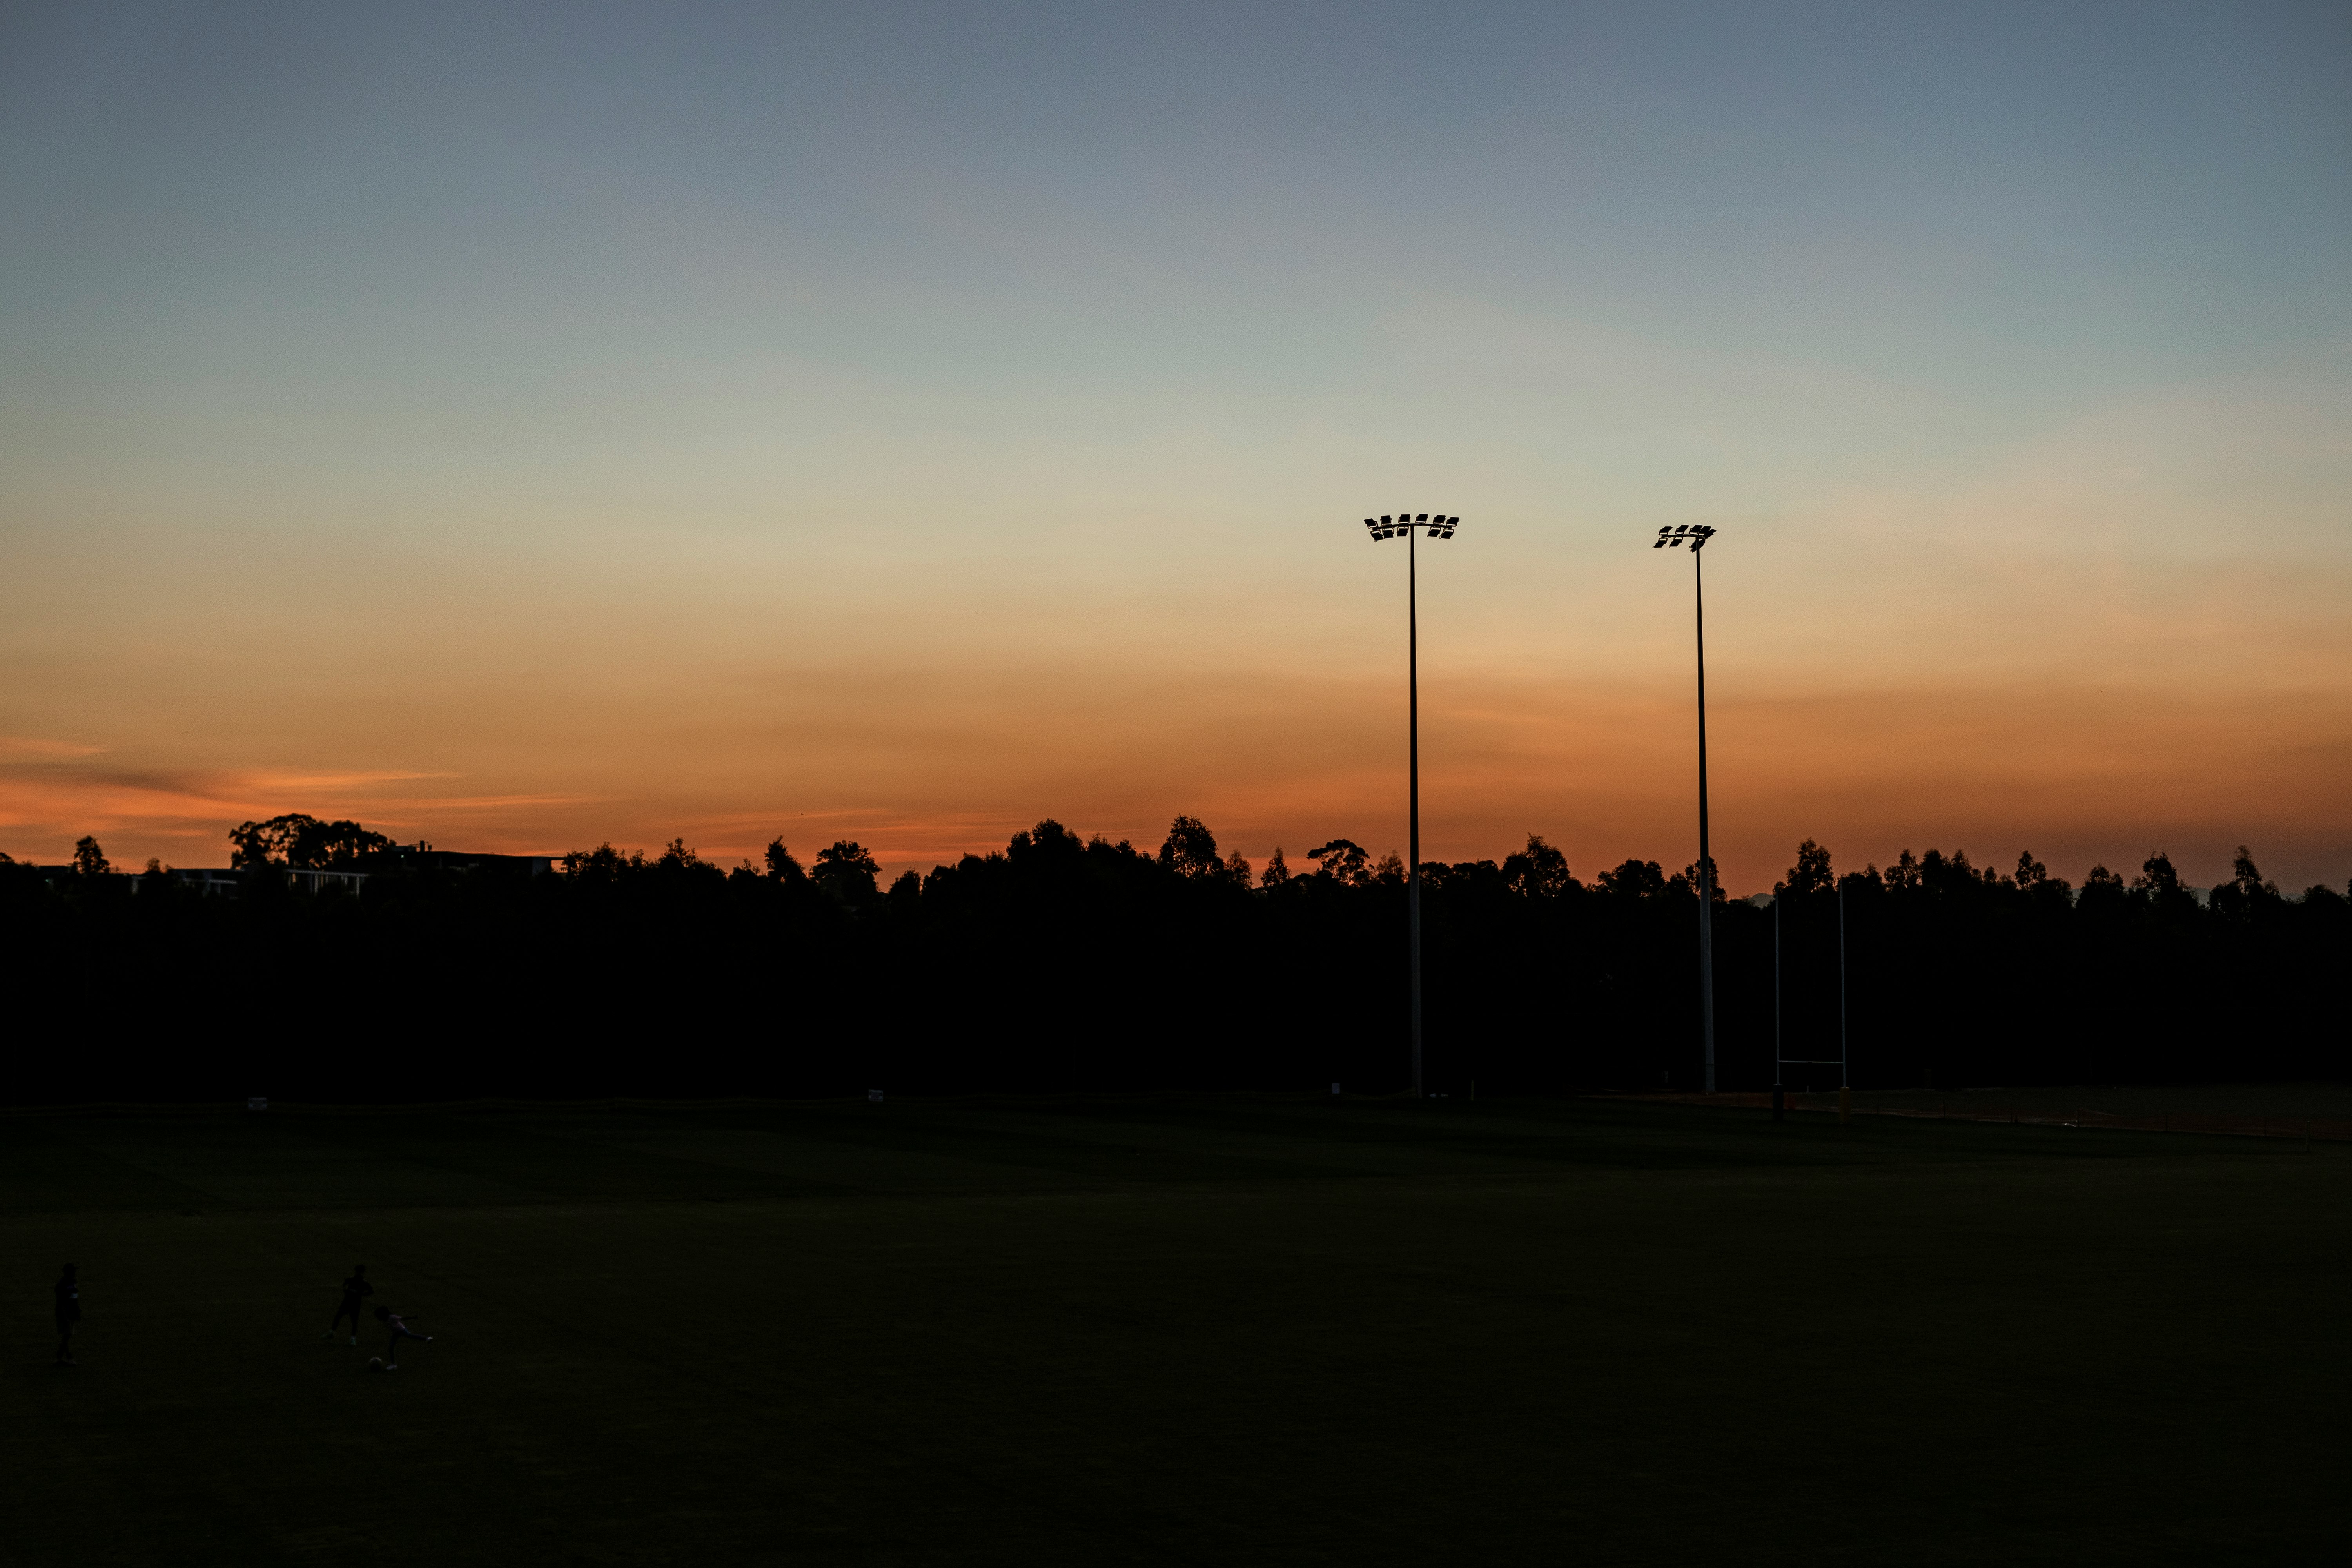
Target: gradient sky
x,y
525,427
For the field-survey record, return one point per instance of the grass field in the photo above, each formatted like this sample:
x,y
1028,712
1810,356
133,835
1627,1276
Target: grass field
x,y
1170,1331
2242,1110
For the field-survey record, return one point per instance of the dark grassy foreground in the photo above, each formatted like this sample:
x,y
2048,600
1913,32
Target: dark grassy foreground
x,y
1178,1331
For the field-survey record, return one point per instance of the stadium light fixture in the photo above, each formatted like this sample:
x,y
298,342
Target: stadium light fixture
x,y
1437,525
1695,535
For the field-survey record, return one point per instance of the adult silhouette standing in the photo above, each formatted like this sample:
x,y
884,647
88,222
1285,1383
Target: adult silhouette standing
x,y
356,1290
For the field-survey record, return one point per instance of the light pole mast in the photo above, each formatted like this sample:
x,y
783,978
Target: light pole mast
x,y
1439,527
1412,784
1697,536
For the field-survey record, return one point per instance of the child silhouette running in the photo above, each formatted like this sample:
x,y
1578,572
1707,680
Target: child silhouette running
x,y
400,1330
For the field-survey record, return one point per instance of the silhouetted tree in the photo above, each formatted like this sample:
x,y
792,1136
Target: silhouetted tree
x,y
1538,871
1062,963
846,871
781,867
2159,884
1344,861
88,859
602,865
2246,895
303,842
1637,879
1191,849
1810,874
1687,880
337,846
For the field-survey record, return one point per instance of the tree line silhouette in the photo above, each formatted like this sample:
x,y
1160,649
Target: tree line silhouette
x,y
1069,964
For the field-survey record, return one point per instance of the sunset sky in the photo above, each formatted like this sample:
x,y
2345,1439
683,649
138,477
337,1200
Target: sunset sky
x,y
524,427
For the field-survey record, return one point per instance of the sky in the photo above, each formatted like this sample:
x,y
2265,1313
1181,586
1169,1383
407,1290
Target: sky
x,y
528,427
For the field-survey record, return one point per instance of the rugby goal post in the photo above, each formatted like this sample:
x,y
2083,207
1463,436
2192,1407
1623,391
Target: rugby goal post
x,y
1781,1060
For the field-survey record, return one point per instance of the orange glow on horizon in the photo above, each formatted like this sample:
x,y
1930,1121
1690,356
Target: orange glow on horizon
x,y
2074,775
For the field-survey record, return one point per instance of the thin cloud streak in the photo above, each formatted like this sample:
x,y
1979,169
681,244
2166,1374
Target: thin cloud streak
x,y
183,816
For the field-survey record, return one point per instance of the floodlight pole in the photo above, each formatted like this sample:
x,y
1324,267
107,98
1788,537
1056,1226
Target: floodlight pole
x,y
1705,864
1695,535
1413,786
1440,526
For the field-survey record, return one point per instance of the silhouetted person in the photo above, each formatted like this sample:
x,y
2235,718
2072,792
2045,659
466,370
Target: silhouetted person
x,y
356,1289
68,1294
400,1330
